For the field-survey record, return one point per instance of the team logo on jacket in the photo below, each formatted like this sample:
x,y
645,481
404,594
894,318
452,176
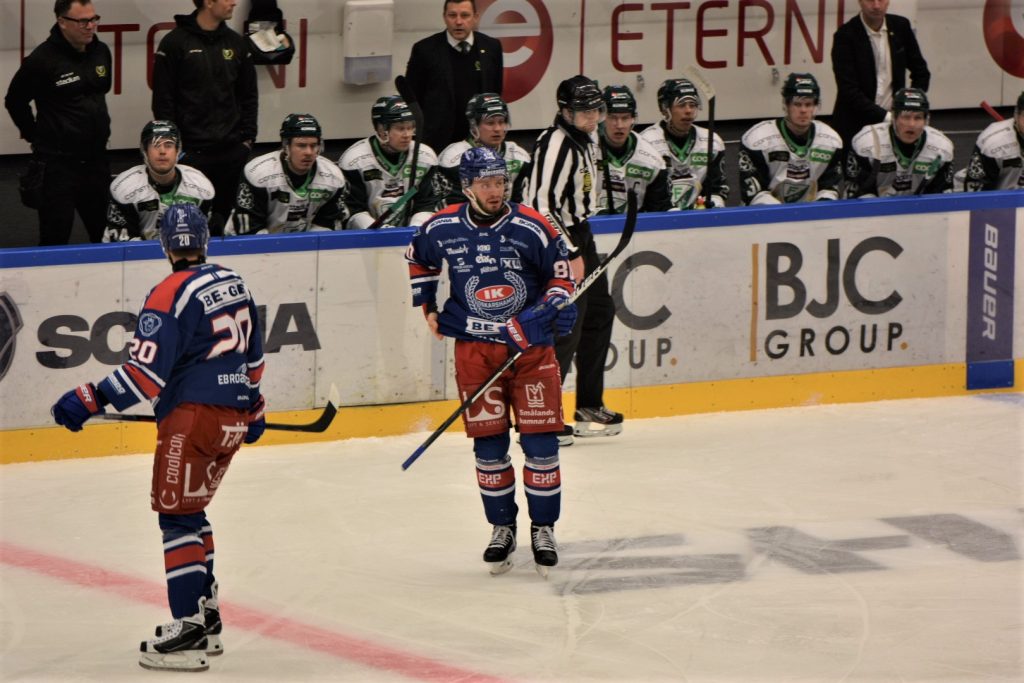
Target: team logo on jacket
x,y
101,71
10,325
228,53
496,302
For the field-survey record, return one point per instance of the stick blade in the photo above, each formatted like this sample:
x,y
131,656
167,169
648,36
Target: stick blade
x,y
692,74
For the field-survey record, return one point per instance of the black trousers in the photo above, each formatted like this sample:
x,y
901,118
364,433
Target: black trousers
x,y
223,166
592,334
71,185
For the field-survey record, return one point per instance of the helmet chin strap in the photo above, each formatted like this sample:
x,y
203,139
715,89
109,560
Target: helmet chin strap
x,y
477,207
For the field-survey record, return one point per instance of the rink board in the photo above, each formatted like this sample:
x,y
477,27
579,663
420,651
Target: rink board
x,y
725,310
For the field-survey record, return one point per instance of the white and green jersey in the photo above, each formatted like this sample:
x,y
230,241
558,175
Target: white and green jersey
x,y
137,203
268,201
880,166
997,162
375,183
517,160
777,167
639,168
688,168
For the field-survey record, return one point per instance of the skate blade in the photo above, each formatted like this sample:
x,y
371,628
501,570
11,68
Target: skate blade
x,y
186,660
499,568
543,570
213,645
583,430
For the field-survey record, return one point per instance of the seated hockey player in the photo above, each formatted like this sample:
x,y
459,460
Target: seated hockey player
x,y
294,189
997,162
381,184
489,123
197,356
684,147
141,195
793,158
509,274
904,157
628,162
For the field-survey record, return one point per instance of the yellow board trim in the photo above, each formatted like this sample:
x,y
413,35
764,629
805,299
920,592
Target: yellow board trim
x,y
103,439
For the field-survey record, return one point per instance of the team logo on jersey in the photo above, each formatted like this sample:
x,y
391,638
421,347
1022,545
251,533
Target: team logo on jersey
x,y
101,71
10,325
228,53
496,302
149,324
245,199
588,182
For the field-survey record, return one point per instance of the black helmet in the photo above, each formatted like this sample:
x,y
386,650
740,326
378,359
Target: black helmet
x,y
1020,102
677,90
619,100
800,85
389,110
579,93
485,105
157,130
300,126
910,99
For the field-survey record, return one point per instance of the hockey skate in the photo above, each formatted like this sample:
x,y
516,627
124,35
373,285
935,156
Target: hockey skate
x,y
211,614
502,545
597,422
566,437
545,552
179,646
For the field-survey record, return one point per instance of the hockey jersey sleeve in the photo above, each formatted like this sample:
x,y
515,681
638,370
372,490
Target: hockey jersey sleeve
x,y
425,266
658,194
861,176
123,223
831,178
755,178
428,198
251,207
357,201
942,181
982,172
716,183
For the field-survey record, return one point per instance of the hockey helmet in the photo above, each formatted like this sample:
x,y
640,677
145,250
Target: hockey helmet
x,y
619,100
1020,102
676,90
910,99
800,85
183,227
481,162
389,110
300,126
579,93
485,105
154,131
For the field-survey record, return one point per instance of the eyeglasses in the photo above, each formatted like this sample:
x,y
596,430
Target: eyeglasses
x,y
84,23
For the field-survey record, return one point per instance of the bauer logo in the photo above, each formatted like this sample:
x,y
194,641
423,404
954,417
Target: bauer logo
x,y
527,39
10,325
1004,34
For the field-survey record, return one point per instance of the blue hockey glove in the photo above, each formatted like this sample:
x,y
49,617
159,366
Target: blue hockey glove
x,y
76,406
257,421
532,327
566,317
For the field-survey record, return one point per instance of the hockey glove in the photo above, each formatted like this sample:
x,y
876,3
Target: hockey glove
x,y
76,406
566,318
257,421
532,327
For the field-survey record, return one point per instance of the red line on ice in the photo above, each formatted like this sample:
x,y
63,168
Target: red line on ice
x,y
349,648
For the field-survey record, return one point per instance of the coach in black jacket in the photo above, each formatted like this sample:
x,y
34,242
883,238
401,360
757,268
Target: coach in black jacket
x,y
853,63
448,68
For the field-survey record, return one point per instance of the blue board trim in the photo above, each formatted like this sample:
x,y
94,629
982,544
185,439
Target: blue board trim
x,y
990,374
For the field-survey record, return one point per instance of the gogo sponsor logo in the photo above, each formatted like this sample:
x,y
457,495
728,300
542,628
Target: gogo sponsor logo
x,y
1004,34
527,38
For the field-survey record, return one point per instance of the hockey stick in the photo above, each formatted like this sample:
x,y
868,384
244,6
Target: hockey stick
x,y
991,111
709,93
407,93
627,235
317,426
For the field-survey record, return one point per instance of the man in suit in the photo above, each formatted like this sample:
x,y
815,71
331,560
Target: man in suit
x,y
871,55
448,68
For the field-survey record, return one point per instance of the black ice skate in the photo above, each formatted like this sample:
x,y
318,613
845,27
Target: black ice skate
x,y
545,552
211,614
503,544
597,422
179,646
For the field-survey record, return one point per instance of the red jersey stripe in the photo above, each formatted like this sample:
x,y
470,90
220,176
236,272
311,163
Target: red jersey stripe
x,y
148,386
162,297
531,212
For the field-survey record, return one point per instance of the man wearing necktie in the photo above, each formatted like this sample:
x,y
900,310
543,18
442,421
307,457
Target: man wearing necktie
x,y
449,67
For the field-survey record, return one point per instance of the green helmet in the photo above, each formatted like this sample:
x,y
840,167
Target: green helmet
x,y
389,110
160,130
800,85
300,126
910,99
619,100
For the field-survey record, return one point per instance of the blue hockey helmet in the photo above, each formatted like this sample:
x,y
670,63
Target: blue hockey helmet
x,y
481,162
183,227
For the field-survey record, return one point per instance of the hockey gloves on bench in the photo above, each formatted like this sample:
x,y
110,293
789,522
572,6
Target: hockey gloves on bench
x,y
76,406
257,421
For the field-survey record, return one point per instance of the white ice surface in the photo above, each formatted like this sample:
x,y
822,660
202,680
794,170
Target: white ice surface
x,y
701,548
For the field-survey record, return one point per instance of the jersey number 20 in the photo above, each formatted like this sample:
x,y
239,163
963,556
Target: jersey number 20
x,y
238,326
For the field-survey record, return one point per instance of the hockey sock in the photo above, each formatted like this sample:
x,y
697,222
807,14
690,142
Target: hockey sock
x,y
496,478
184,562
542,478
207,535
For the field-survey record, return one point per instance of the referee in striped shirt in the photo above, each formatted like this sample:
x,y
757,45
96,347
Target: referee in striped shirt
x,y
563,188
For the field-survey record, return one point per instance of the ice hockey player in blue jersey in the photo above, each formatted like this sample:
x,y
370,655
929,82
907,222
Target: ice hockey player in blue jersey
x,y
510,293
197,356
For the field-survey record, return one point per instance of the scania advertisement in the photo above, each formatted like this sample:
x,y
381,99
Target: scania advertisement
x,y
743,47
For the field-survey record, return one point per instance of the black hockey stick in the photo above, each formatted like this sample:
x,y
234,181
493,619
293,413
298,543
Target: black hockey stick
x,y
317,426
627,235
709,93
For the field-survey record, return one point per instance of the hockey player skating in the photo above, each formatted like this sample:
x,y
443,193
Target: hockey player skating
x,y
684,147
793,158
905,157
509,273
379,172
628,162
197,348
489,123
294,189
140,196
997,162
